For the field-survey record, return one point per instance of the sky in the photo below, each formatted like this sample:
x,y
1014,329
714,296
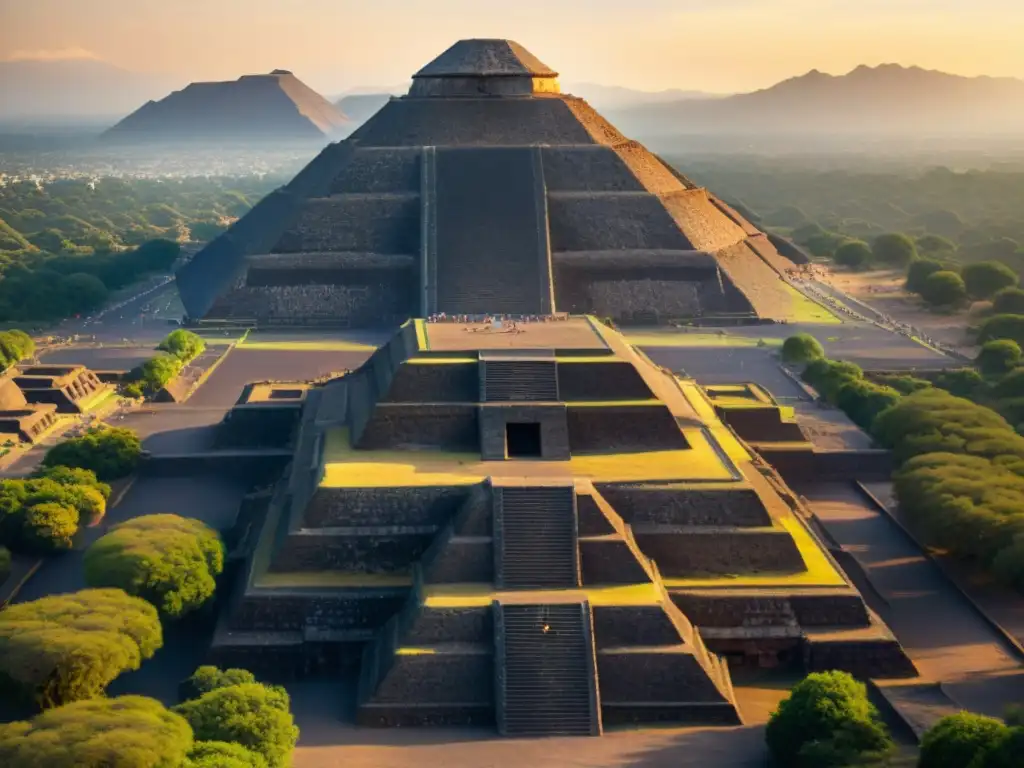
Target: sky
x,y
719,46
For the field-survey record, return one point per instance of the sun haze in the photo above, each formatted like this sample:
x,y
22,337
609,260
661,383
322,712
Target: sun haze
x,y
724,46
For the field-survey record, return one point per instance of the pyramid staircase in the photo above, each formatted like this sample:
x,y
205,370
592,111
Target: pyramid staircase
x,y
535,537
546,672
518,380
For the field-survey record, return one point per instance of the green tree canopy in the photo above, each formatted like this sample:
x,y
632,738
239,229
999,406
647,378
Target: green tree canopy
x,y
935,244
49,527
985,278
802,348
171,561
223,754
209,678
182,344
128,731
72,476
1008,301
895,248
854,254
998,357
919,271
153,375
957,740
65,648
109,452
1002,327
826,713
944,289
829,376
250,714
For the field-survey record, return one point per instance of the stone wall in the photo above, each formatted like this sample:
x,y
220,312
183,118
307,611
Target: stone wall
x,y
820,608
385,506
358,223
587,169
376,550
346,609
379,304
610,561
686,506
554,438
435,383
624,626
847,466
623,428
612,222
590,382
258,426
653,677
460,560
372,170
449,427
628,299
681,552
262,467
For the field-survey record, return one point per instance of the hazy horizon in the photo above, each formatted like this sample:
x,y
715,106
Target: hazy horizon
x,y
726,47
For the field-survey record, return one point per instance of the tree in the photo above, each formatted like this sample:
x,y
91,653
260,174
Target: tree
x,y
153,374
82,292
5,564
956,740
918,272
182,344
128,731
15,346
1005,752
209,678
109,452
66,648
935,244
999,356
1002,327
250,714
896,249
854,254
223,754
49,527
1008,301
829,376
72,476
826,712
802,348
985,278
863,401
170,561
944,289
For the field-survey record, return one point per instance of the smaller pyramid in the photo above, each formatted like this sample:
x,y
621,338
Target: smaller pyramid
x,y
253,107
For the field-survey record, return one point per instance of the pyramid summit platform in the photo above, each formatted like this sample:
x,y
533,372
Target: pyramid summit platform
x,y
532,526
487,190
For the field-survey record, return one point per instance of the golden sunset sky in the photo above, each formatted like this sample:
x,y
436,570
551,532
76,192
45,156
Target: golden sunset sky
x,y
711,45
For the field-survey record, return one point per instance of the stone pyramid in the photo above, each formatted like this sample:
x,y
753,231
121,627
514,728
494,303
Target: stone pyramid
x,y
487,190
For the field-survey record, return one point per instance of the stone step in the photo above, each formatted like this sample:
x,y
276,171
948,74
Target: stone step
x,y
535,536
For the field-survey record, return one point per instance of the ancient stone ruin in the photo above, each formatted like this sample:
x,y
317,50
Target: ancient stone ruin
x,y
531,526
487,190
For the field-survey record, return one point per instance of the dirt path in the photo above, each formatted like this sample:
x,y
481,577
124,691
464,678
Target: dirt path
x,y
940,631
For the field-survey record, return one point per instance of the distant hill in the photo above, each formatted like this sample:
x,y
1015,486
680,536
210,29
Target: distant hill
x,y
884,100
605,97
254,107
360,107
74,88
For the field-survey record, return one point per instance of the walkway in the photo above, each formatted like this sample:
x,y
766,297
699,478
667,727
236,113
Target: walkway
x,y
948,642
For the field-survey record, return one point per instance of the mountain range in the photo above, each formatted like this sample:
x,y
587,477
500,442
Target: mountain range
x,y
886,100
883,100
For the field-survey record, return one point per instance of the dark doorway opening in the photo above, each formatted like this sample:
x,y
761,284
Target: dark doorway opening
x,y
522,441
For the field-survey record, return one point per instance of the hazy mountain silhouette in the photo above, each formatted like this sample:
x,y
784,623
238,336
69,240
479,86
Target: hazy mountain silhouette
x,y
888,99
74,88
360,107
273,106
604,97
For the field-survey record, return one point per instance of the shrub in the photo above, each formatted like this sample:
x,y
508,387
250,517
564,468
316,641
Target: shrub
x,y
109,452
15,346
854,254
863,400
827,712
896,249
126,731
1011,385
209,678
919,271
250,714
150,377
905,385
802,348
944,289
182,344
984,278
49,527
65,648
829,376
72,476
1002,327
1005,752
962,382
170,561
998,356
1008,301
956,740
222,754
